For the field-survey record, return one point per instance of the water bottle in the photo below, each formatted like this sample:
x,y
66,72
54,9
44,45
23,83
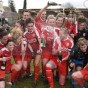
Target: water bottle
x,y
43,43
60,56
3,66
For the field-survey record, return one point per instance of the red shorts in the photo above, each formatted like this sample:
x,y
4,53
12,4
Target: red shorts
x,y
18,58
2,74
54,59
26,58
8,68
62,68
46,55
85,74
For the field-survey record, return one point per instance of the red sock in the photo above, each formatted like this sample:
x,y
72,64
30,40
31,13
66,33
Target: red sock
x,y
22,71
28,70
12,76
36,72
42,69
17,76
49,75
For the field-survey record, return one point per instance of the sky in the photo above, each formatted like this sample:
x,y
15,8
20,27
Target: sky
x,y
33,4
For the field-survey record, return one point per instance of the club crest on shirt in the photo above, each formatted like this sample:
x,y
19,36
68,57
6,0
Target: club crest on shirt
x,y
67,44
33,35
5,54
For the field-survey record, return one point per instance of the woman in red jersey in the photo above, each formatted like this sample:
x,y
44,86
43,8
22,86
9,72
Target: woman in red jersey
x,y
13,68
33,47
5,59
60,55
48,35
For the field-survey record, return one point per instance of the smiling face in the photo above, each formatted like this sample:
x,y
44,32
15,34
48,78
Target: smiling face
x,y
4,39
30,26
43,16
10,46
51,22
59,21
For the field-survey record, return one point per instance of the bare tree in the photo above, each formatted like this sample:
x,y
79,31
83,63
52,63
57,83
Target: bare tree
x,y
12,5
25,4
68,5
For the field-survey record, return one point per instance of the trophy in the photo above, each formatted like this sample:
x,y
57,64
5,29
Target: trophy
x,y
53,3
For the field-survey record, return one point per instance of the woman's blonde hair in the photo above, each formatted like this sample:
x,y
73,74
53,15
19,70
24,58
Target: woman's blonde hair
x,y
65,30
50,17
82,41
16,31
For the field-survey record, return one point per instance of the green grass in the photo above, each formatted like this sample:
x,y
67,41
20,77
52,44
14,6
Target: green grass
x,y
28,82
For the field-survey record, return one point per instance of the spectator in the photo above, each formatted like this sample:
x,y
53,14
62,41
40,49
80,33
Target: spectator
x,y
77,57
82,31
25,15
2,20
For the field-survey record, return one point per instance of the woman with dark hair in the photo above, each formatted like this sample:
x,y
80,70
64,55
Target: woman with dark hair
x,y
20,24
3,37
5,58
3,41
33,47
